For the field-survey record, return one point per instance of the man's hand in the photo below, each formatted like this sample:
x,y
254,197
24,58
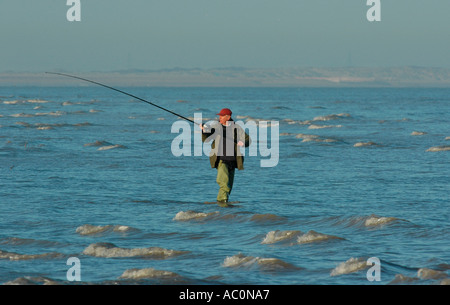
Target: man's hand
x,y
240,143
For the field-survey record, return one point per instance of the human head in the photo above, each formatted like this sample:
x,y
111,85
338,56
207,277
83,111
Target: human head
x,y
224,115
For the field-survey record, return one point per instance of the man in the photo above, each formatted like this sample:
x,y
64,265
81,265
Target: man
x,y
225,154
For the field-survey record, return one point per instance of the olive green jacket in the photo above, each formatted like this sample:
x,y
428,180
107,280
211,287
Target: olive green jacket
x,y
239,135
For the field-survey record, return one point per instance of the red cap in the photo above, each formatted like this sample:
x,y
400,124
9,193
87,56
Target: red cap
x,y
224,111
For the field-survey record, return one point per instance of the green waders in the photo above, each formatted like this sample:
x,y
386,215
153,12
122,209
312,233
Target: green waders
x,y
225,178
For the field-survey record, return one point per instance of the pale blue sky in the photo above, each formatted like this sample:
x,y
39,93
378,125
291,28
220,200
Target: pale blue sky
x,y
155,34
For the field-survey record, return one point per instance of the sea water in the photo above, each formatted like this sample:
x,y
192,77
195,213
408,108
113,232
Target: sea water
x,y
87,172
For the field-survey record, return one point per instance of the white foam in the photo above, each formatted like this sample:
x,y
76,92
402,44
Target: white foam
x,y
37,101
418,133
365,144
313,126
313,236
277,236
52,113
350,266
148,273
331,117
313,138
240,260
374,220
108,147
189,215
439,148
12,102
88,229
110,250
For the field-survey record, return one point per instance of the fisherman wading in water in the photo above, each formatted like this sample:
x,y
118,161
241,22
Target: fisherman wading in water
x,y
225,154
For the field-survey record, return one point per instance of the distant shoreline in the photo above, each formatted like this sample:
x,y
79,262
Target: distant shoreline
x,y
245,77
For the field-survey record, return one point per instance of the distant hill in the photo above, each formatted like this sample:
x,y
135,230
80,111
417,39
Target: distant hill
x,y
252,77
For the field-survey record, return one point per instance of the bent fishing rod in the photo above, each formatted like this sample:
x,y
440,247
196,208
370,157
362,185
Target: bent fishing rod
x,y
123,92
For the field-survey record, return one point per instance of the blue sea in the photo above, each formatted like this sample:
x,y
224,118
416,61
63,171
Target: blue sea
x,y
359,196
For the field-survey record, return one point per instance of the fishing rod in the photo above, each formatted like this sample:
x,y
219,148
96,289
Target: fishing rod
x,y
123,92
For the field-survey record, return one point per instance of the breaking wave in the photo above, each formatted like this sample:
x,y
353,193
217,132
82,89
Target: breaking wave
x,y
332,117
439,148
103,145
374,220
313,236
365,144
148,273
111,250
293,237
190,215
280,236
314,126
350,266
371,221
314,138
272,264
88,229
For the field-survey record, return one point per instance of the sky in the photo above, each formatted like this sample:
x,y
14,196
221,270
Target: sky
x,y
162,34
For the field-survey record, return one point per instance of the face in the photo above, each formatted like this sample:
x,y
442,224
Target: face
x,y
223,119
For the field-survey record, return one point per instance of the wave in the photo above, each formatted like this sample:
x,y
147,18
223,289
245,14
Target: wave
x,y
314,138
38,101
280,236
148,273
110,250
293,237
439,148
103,145
12,256
313,236
17,241
418,133
111,147
267,264
313,126
430,274
267,218
190,215
350,266
35,280
332,117
403,279
374,220
370,221
88,229
422,274
365,144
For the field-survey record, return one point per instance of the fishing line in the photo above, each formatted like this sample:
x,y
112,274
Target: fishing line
x,y
123,92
